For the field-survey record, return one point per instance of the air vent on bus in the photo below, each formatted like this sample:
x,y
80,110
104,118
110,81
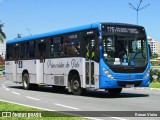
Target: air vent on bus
x,y
59,80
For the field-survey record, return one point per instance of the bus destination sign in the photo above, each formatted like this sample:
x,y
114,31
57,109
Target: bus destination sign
x,y
123,29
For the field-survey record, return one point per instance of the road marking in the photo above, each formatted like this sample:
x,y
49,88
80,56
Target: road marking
x,y
2,84
16,93
118,118
6,82
45,109
91,118
67,106
32,98
6,88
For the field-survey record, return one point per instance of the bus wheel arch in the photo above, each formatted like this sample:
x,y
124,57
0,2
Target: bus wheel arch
x,y
74,82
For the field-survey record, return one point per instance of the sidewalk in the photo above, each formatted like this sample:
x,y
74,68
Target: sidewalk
x,y
150,89
2,76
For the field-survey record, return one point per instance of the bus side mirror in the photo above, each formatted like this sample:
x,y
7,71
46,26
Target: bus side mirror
x,y
149,48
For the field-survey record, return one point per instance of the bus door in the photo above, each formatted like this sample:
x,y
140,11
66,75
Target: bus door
x,y
15,58
89,51
41,62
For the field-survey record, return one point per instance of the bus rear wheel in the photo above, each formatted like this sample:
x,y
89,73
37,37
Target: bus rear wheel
x,y
76,85
26,83
114,91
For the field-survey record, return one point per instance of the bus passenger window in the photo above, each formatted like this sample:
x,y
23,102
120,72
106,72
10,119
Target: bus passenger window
x,y
30,52
72,48
51,48
55,47
16,52
22,50
9,55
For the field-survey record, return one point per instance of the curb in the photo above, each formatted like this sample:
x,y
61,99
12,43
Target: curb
x,y
2,76
150,89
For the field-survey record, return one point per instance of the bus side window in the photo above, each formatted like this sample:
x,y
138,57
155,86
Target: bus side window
x,y
30,49
51,48
27,49
16,52
72,47
9,55
22,50
56,47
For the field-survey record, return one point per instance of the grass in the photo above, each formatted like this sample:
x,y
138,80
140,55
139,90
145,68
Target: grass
x,y
2,67
154,85
8,107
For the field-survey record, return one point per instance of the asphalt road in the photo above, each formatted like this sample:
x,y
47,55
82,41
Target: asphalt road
x,y
44,98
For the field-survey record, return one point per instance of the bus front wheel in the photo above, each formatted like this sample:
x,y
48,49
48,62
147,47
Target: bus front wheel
x,y
76,85
114,91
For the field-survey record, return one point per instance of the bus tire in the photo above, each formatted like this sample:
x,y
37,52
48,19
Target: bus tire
x,y
76,85
114,91
26,81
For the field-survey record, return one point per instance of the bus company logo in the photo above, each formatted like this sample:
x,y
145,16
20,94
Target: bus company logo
x,y
6,114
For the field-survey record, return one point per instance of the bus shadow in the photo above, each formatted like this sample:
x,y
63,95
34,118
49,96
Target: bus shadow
x,y
103,94
88,93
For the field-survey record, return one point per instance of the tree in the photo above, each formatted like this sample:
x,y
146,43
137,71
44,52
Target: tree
x,y
19,35
2,34
154,55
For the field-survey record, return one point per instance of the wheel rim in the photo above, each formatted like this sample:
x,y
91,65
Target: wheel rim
x,y
25,82
75,85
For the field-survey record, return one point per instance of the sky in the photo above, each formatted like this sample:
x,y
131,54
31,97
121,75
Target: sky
x,y
40,16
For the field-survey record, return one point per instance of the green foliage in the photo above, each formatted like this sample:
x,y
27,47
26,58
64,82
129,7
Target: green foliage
x,y
154,72
154,55
2,34
154,85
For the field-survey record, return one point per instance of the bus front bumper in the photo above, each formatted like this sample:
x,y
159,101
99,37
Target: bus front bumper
x,y
105,83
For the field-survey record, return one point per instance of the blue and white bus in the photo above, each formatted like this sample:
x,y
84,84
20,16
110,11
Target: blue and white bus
x,y
108,56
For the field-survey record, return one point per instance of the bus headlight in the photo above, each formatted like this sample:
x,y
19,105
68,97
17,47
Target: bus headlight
x,y
147,74
107,73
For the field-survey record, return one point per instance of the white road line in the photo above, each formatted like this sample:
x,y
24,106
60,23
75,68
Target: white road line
x,y
27,105
6,88
92,118
32,98
16,93
118,118
6,82
67,106
2,84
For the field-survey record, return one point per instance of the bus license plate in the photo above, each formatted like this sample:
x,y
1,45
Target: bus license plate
x,y
129,85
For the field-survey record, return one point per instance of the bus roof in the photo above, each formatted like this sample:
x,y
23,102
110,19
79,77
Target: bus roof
x,y
58,32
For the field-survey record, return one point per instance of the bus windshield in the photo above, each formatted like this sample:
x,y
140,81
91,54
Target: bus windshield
x,y
125,51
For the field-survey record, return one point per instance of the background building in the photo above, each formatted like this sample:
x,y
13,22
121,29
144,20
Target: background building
x,y
3,49
155,45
